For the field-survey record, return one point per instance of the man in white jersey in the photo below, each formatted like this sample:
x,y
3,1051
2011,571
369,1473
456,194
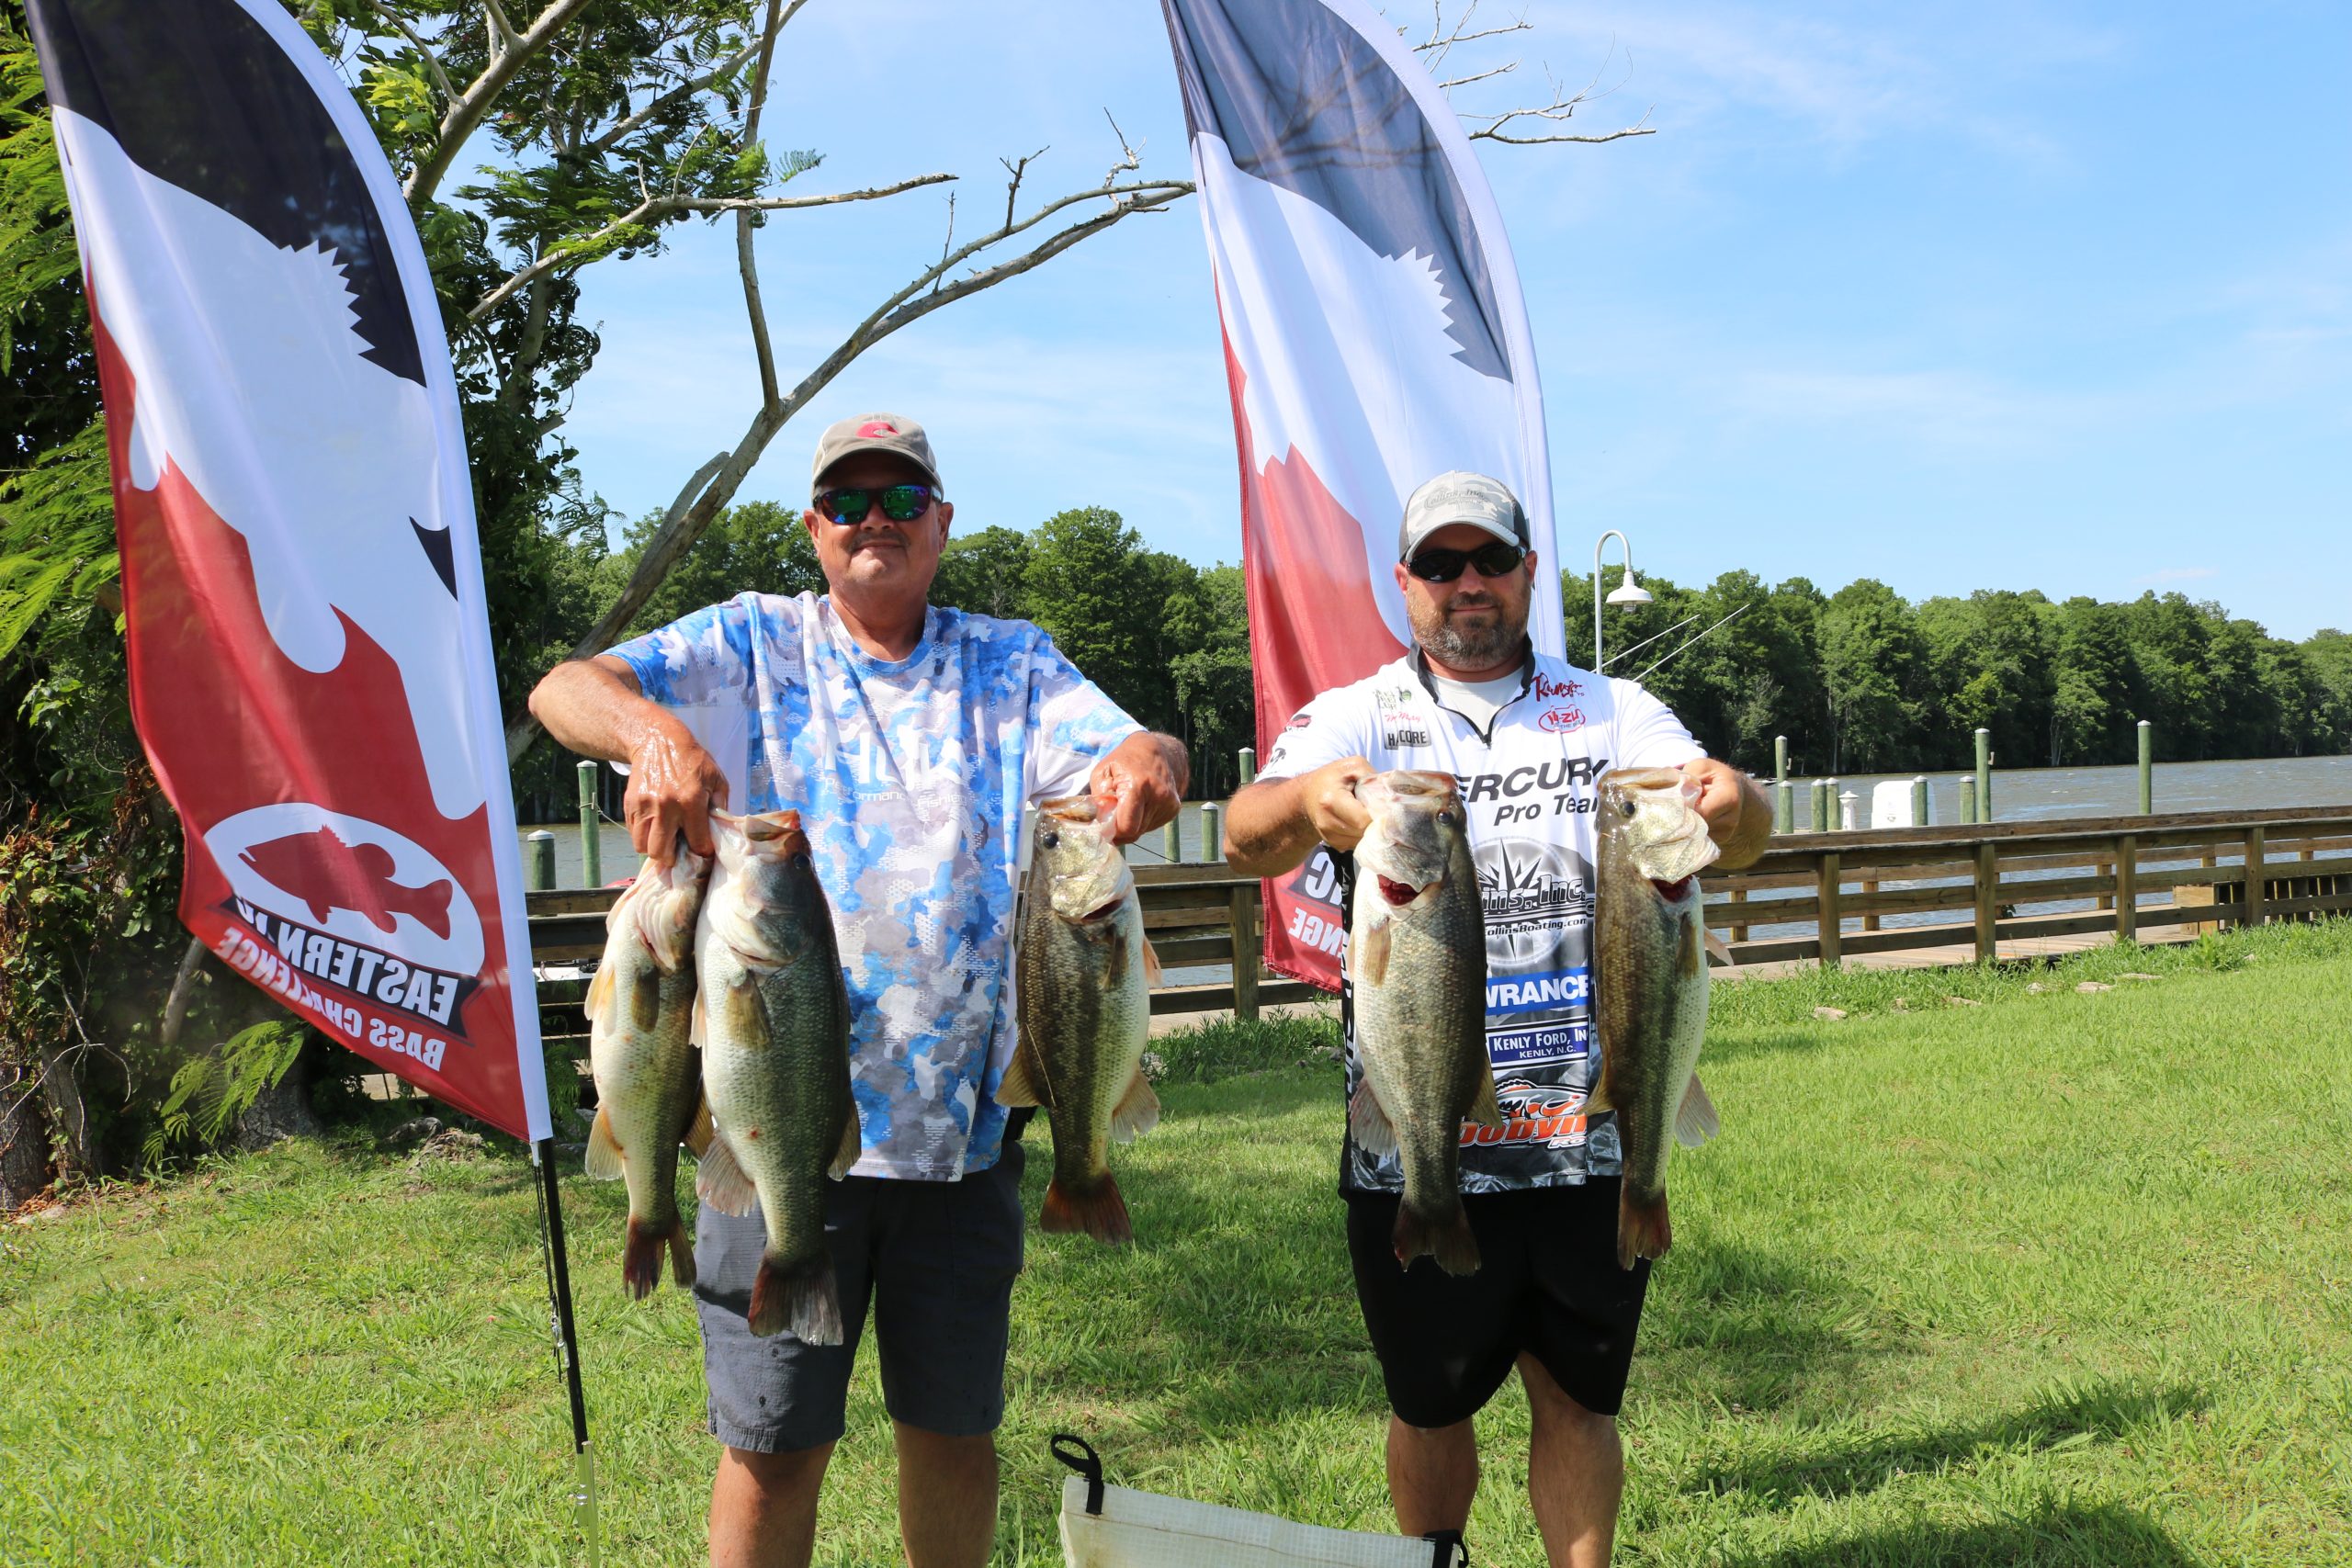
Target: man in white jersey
x,y
908,736
1525,735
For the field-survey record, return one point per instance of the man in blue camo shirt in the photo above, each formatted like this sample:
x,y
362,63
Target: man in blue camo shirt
x,y
908,738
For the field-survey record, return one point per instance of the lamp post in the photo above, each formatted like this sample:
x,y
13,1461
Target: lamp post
x,y
1627,591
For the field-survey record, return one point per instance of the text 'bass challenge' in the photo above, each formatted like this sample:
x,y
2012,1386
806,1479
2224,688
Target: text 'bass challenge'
x,y
280,952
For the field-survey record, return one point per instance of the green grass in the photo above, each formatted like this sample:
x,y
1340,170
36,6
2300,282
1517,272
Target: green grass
x,y
2062,1278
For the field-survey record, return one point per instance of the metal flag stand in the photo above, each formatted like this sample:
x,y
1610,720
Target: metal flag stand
x,y
567,1343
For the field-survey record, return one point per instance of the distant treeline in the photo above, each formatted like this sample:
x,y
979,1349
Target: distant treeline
x,y
1864,681
1859,680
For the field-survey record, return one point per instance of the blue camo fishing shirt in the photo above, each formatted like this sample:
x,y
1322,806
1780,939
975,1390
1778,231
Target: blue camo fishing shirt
x,y
909,776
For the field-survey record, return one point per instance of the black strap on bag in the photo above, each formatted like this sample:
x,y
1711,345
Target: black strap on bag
x,y
1450,1552
1080,1455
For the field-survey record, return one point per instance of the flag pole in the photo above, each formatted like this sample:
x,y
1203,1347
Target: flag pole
x,y
566,1342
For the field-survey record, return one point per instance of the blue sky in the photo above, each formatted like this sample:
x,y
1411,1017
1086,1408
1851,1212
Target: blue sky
x,y
1954,296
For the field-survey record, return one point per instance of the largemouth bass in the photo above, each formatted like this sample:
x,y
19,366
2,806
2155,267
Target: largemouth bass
x,y
648,1082
775,1033
1417,971
1650,971
1084,978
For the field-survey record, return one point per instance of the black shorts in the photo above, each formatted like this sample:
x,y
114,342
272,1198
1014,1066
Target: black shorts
x,y
1548,1284
935,1259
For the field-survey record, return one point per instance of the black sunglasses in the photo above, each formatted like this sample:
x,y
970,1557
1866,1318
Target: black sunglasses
x,y
900,504
1438,565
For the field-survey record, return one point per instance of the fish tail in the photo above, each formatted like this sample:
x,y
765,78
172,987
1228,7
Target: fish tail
x,y
1098,1209
641,1255
681,1255
1445,1236
431,908
1644,1229
800,1296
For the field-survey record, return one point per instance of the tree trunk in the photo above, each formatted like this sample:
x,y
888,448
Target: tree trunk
x,y
283,1109
77,1157
23,1139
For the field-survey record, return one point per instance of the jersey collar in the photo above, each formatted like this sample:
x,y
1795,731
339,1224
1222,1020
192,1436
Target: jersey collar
x,y
1419,661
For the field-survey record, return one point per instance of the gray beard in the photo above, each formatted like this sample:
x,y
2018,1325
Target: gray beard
x,y
1468,650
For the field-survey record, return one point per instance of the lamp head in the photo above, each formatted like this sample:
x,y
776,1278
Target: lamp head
x,y
1629,591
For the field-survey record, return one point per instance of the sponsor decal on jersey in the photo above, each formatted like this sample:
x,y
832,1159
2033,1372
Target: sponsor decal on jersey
x,y
1532,1113
1398,739
1546,991
1559,721
1567,1042
1546,689
1299,720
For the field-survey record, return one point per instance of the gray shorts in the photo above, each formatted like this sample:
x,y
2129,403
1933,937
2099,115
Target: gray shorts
x,y
936,1259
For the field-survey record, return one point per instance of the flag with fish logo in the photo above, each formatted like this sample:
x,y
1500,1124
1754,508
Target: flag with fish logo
x,y
310,654
1374,338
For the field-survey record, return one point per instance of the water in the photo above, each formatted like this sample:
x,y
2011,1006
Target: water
x,y
2018,795
2033,794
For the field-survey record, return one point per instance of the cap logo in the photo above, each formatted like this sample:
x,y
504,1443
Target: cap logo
x,y
875,427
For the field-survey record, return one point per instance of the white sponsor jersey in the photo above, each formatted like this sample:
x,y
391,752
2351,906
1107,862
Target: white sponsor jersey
x,y
1527,789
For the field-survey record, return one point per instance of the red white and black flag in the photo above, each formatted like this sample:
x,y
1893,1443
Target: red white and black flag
x,y
1374,338
310,655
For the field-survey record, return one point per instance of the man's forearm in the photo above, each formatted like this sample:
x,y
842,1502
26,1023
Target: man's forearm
x,y
594,709
1266,827
1752,834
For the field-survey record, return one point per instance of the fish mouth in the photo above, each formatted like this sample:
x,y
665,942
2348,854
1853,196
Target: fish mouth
x,y
1673,891
1398,894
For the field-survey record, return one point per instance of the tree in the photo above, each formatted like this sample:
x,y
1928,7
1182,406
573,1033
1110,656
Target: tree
x,y
2090,687
985,573
1869,657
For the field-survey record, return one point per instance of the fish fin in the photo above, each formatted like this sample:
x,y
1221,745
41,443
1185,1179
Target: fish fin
x,y
747,1020
800,1296
1643,1230
1485,1108
1720,949
1695,1123
1446,1237
604,1156
1692,962
1100,1211
853,1144
641,1256
600,992
1021,1079
700,1132
1596,1095
682,1257
1137,1112
696,1022
1368,1119
1372,951
645,1001
1115,967
720,1182
1153,975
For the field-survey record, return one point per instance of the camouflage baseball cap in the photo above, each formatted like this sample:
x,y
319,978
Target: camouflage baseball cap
x,y
1461,497
894,433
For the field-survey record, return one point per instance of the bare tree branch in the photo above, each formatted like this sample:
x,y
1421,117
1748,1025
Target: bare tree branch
x,y
1452,81
468,109
920,296
1013,185
658,206
501,31
746,260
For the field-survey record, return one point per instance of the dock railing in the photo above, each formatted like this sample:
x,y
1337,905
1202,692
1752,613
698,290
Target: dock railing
x,y
1830,897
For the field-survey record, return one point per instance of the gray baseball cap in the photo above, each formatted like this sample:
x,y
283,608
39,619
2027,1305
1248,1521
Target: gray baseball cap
x,y
894,433
1461,497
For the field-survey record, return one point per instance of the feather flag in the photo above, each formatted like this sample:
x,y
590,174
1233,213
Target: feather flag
x,y
310,654
1375,337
